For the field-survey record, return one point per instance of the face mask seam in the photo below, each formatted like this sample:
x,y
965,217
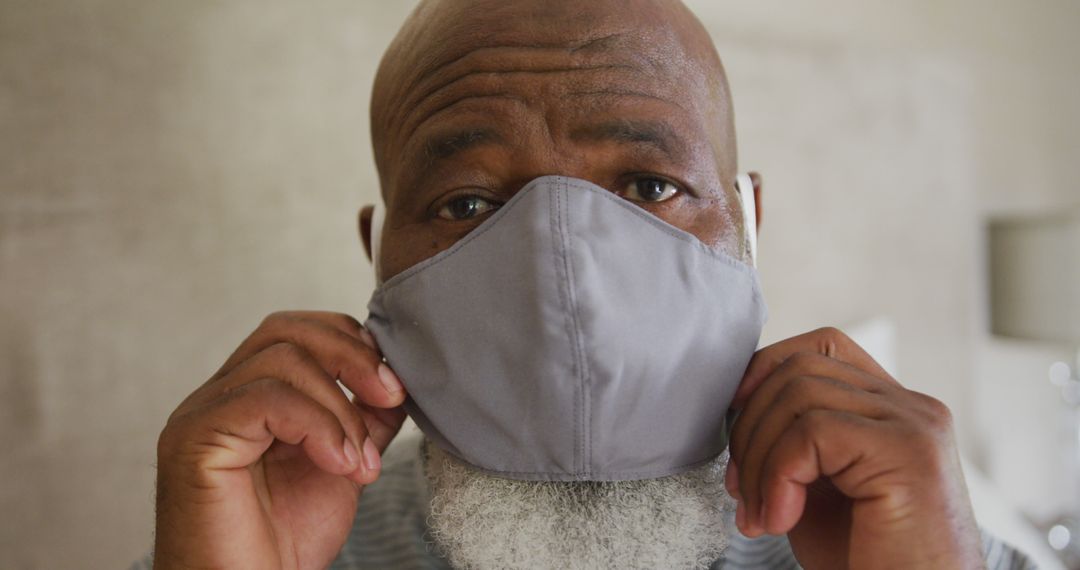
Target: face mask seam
x,y
555,204
583,366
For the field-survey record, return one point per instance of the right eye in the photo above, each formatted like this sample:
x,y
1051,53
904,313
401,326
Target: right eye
x,y
466,207
650,190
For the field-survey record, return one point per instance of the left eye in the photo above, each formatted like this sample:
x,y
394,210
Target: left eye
x,y
466,207
650,190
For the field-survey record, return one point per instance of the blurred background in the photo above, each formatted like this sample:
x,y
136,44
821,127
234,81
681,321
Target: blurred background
x,y
171,172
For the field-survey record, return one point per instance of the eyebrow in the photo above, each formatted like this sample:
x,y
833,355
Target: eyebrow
x,y
657,134
445,145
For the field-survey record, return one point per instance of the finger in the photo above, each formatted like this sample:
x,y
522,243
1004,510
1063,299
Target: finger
x,y
731,480
369,339
343,356
822,443
382,423
296,367
799,396
799,365
830,342
234,431
283,319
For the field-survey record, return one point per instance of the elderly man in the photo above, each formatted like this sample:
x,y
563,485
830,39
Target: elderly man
x,y
536,156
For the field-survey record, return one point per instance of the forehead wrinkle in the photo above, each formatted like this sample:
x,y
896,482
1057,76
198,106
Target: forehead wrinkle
x,y
659,39
604,41
482,76
454,102
609,93
503,72
599,51
657,134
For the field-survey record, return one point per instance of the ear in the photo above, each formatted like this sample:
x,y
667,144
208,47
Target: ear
x,y
365,226
757,198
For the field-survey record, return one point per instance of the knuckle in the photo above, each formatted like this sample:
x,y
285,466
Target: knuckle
x,y
277,320
167,440
257,394
939,416
176,437
800,361
274,317
347,321
178,429
832,340
831,332
266,387
287,352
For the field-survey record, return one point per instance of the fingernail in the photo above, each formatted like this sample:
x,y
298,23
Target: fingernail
x,y
366,338
371,455
389,380
352,458
740,516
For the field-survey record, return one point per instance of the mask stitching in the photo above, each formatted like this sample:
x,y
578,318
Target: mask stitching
x,y
585,417
559,245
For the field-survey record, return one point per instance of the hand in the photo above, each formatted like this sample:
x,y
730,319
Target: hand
x,y
858,471
263,465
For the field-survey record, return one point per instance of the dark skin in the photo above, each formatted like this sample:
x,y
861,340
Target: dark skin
x,y
264,464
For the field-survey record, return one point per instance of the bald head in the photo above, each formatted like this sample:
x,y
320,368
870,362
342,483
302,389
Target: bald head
x,y
659,39
474,98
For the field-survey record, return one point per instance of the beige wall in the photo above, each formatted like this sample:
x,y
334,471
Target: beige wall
x,y
171,172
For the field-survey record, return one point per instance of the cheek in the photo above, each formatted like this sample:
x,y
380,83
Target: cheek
x,y
406,250
711,221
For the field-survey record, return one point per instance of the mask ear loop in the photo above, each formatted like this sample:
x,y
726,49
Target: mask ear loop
x,y
745,186
378,217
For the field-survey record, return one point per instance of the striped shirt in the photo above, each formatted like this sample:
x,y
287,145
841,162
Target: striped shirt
x,y
390,531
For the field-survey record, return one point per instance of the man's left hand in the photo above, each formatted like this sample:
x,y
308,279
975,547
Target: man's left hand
x,y
857,470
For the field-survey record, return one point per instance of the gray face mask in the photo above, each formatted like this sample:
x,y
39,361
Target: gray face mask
x,y
572,336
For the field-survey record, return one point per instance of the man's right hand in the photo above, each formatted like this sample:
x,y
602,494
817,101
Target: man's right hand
x,y
263,465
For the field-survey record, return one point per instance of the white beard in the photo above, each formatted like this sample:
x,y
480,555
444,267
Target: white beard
x,y
482,522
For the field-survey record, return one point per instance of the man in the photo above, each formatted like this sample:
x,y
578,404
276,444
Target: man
x,y
833,463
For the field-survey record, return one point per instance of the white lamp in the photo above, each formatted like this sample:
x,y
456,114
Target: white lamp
x,y
1035,278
